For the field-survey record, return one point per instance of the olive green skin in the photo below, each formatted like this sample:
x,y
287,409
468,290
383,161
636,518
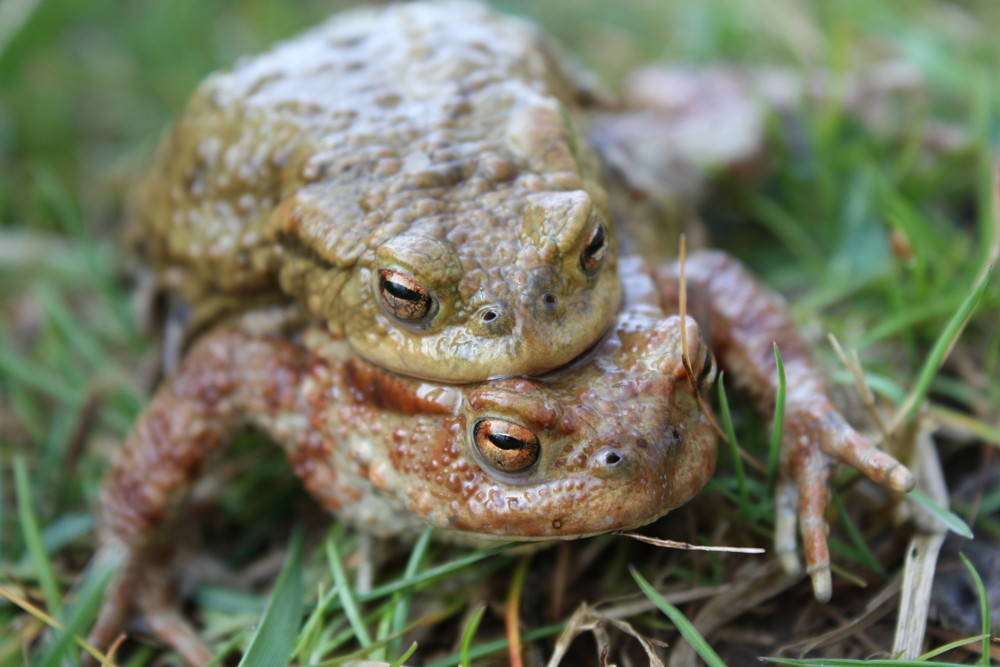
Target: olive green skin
x,y
433,140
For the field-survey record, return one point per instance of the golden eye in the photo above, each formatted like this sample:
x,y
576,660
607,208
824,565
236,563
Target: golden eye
x,y
403,297
706,377
594,250
508,446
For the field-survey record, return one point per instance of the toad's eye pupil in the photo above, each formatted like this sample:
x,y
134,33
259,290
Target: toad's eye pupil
x,y
403,297
595,250
506,446
400,291
504,441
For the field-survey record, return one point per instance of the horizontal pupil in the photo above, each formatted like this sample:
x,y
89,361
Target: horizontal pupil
x,y
597,242
401,291
506,442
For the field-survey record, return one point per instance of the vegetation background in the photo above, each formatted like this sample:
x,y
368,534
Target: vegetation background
x,y
879,237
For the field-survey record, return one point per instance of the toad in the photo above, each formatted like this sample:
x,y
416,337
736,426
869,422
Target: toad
x,y
410,175
612,441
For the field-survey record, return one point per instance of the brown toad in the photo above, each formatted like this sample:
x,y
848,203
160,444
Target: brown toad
x,y
409,174
610,442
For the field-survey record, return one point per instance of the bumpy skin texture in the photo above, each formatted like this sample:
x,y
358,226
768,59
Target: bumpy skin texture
x,y
433,139
622,437
622,440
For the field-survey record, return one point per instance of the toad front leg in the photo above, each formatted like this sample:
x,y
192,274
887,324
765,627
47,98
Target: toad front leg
x,y
226,377
743,322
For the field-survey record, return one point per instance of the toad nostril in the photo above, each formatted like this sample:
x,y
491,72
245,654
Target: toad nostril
x,y
609,463
492,320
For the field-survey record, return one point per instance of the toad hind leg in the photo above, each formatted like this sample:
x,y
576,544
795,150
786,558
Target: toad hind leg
x,y
743,322
227,376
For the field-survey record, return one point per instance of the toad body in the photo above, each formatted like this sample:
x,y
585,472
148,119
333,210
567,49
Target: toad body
x,y
411,176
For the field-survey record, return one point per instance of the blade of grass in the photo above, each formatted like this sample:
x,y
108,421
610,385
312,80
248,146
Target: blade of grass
x,y
950,646
67,214
861,552
347,598
942,346
954,523
37,376
33,539
469,633
778,423
80,339
496,646
274,639
684,626
433,573
80,616
788,229
984,609
733,445
401,605
406,656
40,614
313,626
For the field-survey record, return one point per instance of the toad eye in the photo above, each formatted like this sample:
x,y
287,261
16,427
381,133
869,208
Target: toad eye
x,y
508,446
594,250
706,377
403,297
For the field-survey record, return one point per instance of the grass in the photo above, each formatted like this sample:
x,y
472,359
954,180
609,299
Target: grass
x,y
874,235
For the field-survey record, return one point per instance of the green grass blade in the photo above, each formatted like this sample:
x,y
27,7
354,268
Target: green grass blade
x,y
313,626
406,656
81,340
401,605
984,609
347,599
496,646
37,376
778,423
950,646
942,346
80,617
433,573
469,633
33,539
861,552
954,522
687,630
733,445
274,639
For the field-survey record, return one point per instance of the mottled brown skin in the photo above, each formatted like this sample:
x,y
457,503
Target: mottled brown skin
x,y
433,139
622,441
743,323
